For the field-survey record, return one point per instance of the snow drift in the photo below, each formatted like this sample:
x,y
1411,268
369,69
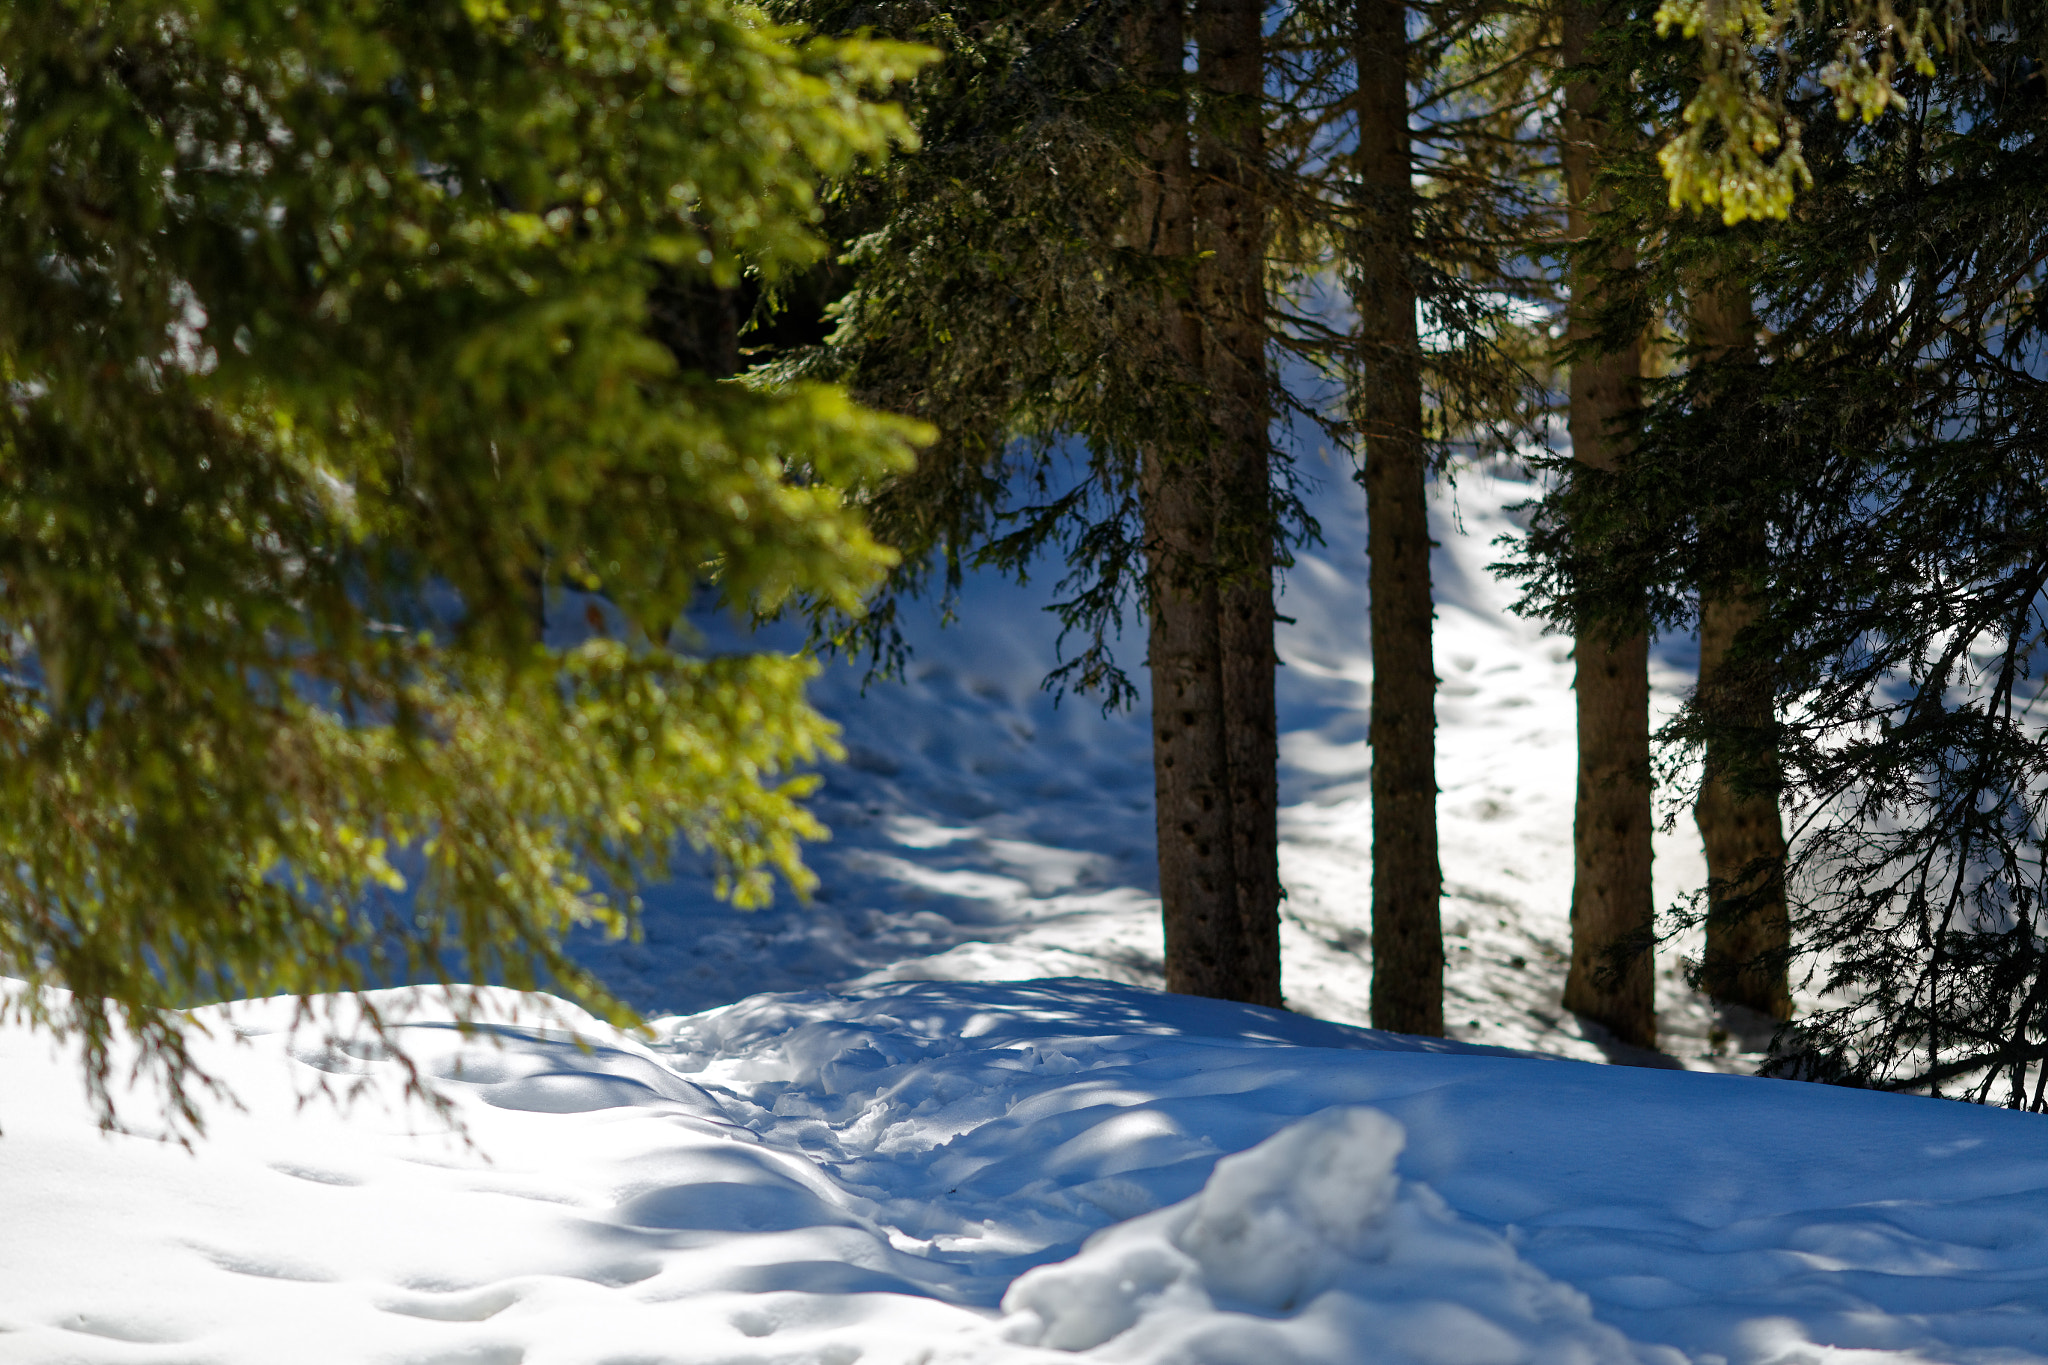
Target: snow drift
x,y
1022,1171
1307,1248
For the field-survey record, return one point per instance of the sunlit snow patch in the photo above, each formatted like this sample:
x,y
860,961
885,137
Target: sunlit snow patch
x,y
1304,1249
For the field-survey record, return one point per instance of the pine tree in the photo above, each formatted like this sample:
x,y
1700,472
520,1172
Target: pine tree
x,y
1072,268
1407,881
1747,932
325,332
1613,914
1887,442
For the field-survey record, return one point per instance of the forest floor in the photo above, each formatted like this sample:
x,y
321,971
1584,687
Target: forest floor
x,y
984,829
942,1113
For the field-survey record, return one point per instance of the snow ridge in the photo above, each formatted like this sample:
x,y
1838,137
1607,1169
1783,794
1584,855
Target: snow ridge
x,y
1301,1249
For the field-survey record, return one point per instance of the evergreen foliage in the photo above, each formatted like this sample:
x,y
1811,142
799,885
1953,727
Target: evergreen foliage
x,y
1888,438
994,289
1477,227
326,352
991,284
1068,282
1051,283
1737,143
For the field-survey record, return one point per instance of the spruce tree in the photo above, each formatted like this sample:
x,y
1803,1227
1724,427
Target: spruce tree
x,y
1613,916
1904,601
1687,276
1232,221
325,331
1407,171
1887,442
1073,267
1143,240
1197,844
1747,932
1407,881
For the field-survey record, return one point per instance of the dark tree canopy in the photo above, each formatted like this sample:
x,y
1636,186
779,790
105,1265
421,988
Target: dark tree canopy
x,y
1888,442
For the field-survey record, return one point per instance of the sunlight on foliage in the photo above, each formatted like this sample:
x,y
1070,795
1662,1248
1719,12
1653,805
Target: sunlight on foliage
x,y
324,337
1739,150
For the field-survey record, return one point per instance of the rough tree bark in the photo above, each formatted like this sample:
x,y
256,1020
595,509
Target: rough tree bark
x,y
1407,879
1231,227
1190,759
1611,978
1748,930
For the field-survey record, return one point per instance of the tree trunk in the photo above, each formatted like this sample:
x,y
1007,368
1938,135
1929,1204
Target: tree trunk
x,y
1198,883
1748,930
1190,757
1231,287
1611,979
1407,879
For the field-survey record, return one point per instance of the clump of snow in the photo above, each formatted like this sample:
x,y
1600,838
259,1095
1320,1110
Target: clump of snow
x,y
1275,1224
1306,1248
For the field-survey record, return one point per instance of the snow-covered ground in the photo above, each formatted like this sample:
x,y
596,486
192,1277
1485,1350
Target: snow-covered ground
x,y
1011,1172
942,1115
982,831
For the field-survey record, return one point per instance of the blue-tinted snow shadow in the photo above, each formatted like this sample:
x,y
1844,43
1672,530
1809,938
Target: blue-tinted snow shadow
x,y
971,805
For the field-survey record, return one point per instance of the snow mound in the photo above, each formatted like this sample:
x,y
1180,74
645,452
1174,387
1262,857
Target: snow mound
x,y
1299,1250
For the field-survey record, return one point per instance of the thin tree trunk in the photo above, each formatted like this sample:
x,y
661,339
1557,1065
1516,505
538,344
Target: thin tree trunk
x,y
1748,930
1611,978
1231,218
1407,879
1190,759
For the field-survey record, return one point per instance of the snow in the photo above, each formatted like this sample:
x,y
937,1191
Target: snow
x,y
1301,1248
1007,1172
983,830
942,1115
